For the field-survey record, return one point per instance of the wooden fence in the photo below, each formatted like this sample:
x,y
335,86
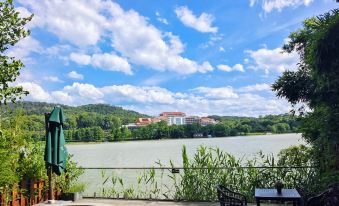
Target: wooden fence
x,y
27,193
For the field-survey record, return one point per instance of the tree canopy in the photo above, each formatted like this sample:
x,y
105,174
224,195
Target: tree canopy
x,y
315,84
11,31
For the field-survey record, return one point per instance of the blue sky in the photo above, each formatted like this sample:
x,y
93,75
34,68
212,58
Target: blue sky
x,y
198,57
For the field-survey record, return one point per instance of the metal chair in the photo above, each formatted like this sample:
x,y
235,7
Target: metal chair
x,y
227,197
330,197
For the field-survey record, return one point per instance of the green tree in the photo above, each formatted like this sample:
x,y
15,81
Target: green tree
x,y
315,83
11,31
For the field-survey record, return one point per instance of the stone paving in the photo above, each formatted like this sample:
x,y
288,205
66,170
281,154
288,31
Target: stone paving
x,y
116,202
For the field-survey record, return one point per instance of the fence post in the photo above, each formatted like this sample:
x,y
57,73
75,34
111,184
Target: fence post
x,y
14,195
31,192
22,196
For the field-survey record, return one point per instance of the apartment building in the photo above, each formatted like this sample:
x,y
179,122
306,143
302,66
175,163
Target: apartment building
x,y
174,118
193,120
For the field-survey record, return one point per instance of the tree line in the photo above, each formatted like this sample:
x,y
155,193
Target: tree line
x,y
95,123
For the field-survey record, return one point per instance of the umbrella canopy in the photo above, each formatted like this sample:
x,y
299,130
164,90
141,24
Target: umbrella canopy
x,y
55,150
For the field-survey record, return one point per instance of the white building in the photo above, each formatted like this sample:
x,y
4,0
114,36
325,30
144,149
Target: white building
x,y
174,118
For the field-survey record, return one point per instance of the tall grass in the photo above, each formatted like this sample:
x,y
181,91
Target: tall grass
x,y
212,166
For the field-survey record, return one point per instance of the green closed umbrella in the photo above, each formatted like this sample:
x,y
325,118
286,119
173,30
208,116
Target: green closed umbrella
x,y
55,150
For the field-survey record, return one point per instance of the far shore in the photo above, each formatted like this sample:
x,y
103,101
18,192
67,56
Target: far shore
x,y
142,140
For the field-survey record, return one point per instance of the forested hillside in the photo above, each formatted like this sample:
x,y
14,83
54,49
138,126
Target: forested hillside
x,y
39,108
101,122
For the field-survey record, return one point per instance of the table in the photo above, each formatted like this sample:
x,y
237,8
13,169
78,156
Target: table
x,y
271,194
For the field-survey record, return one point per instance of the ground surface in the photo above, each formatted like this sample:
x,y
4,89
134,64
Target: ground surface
x,y
115,202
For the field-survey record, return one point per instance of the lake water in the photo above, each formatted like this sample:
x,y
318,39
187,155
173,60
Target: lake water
x,y
146,153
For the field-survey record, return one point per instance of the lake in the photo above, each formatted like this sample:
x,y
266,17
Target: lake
x,y
146,153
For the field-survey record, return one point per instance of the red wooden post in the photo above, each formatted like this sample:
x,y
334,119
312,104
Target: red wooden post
x,y
3,199
14,192
31,192
22,196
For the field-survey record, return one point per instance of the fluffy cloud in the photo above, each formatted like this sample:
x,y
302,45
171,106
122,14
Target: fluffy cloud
x,y
226,68
131,35
160,19
111,62
153,100
24,48
36,92
75,75
143,44
255,87
128,93
203,23
82,24
82,59
105,61
274,59
270,5
53,79
217,93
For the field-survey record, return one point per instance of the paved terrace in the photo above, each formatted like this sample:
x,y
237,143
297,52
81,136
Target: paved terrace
x,y
110,202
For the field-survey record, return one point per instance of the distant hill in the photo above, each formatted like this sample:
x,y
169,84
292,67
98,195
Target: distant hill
x,y
103,122
39,108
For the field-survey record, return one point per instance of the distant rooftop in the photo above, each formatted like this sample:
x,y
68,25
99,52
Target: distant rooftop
x,y
172,113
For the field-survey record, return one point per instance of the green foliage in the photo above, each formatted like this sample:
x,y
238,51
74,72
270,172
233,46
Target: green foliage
x,y
223,168
68,181
104,123
11,31
315,83
31,161
97,112
228,126
23,158
212,166
12,143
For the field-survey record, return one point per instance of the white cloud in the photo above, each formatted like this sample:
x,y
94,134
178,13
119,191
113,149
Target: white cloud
x,y
53,79
160,19
153,100
255,87
274,59
218,93
75,75
203,23
226,68
128,93
105,61
36,92
58,50
81,25
84,93
82,59
221,49
131,35
24,48
111,62
270,5
143,44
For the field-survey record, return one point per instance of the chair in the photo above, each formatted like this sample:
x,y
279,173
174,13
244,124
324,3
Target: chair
x,y
327,198
227,197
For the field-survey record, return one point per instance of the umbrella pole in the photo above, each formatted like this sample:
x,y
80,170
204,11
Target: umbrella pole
x,y
50,184
49,169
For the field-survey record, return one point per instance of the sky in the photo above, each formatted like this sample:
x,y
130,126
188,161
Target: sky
x,y
199,57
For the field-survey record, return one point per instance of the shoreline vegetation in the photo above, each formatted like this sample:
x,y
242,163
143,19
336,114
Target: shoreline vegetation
x,y
141,140
105,123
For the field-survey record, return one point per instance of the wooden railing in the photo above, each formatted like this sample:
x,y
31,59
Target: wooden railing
x,y
28,192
